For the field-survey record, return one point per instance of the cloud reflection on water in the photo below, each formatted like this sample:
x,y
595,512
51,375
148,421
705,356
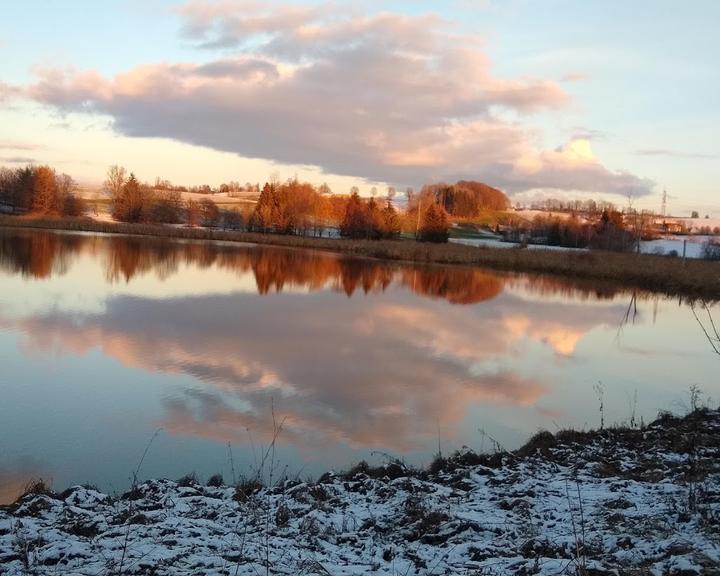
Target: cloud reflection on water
x,y
367,372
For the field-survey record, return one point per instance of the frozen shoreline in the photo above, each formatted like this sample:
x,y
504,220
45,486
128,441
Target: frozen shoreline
x,y
693,246
620,498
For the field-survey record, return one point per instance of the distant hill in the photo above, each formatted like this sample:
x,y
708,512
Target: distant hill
x,y
467,198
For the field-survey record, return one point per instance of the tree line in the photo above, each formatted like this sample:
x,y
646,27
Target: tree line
x,y
608,232
41,254
466,199
291,207
587,206
39,189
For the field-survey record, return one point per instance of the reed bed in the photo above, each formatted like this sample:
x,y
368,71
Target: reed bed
x,y
694,279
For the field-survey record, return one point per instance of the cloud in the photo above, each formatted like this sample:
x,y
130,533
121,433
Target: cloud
x,y
583,133
574,167
16,145
575,77
669,153
7,91
396,368
388,97
378,388
381,373
17,159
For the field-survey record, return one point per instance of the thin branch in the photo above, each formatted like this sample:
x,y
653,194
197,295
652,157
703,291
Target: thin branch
x,y
714,341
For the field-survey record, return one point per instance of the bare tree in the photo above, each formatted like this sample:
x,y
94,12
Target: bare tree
x,y
409,193
115,180
66,185
209,212
193,212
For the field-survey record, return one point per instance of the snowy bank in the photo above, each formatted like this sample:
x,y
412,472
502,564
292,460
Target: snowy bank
x,y
613,501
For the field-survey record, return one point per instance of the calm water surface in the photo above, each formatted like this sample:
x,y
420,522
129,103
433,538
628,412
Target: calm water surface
x,y
104,340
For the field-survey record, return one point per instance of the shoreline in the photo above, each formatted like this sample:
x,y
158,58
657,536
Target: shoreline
x,y
694,279
640,500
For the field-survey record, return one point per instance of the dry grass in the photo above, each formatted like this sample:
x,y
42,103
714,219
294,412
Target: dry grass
x,y
692,278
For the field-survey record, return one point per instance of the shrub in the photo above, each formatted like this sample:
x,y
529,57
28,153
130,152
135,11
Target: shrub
x,y
541,441
216,480
231,220
209,212
711,250
282,516
188,480
73,206
245,489
37,487
167,207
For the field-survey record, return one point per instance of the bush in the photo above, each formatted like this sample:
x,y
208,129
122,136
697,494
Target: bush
x,y
231,220
166,208
188,480
711,250
209,212
216,480
73,206
246,489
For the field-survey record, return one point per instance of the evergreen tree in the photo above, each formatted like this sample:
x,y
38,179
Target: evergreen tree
x,y
129,204
434,226
373,220
391,222
261,220
354,222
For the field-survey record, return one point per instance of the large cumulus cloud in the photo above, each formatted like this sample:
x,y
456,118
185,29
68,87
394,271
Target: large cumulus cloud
x,y
388,97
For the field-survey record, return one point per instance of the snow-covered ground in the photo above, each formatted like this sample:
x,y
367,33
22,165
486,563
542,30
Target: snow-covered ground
x,y
634,501
693,245
91,193
494,243
663,246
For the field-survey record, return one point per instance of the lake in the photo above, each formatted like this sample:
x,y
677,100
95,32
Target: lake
x,y
203,353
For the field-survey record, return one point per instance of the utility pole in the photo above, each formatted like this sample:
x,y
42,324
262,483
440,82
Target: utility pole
x,y
663,211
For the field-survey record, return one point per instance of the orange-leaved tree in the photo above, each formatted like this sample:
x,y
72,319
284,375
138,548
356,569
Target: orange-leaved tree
x,y
434,226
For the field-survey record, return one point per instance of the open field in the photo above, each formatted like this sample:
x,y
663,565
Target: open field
x,y
692,279
93,195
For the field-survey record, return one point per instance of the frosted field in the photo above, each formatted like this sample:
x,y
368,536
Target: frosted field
x,y
579,503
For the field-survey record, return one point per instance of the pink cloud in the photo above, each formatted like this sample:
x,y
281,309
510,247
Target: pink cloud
x,y
388,97
575,77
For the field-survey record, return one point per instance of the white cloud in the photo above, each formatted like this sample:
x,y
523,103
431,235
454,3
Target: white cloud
x,y
670,153
387,97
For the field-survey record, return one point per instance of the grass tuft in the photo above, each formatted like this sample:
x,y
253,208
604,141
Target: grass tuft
x,y
216,481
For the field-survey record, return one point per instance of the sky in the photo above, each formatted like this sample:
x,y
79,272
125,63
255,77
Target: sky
x,y
614,100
